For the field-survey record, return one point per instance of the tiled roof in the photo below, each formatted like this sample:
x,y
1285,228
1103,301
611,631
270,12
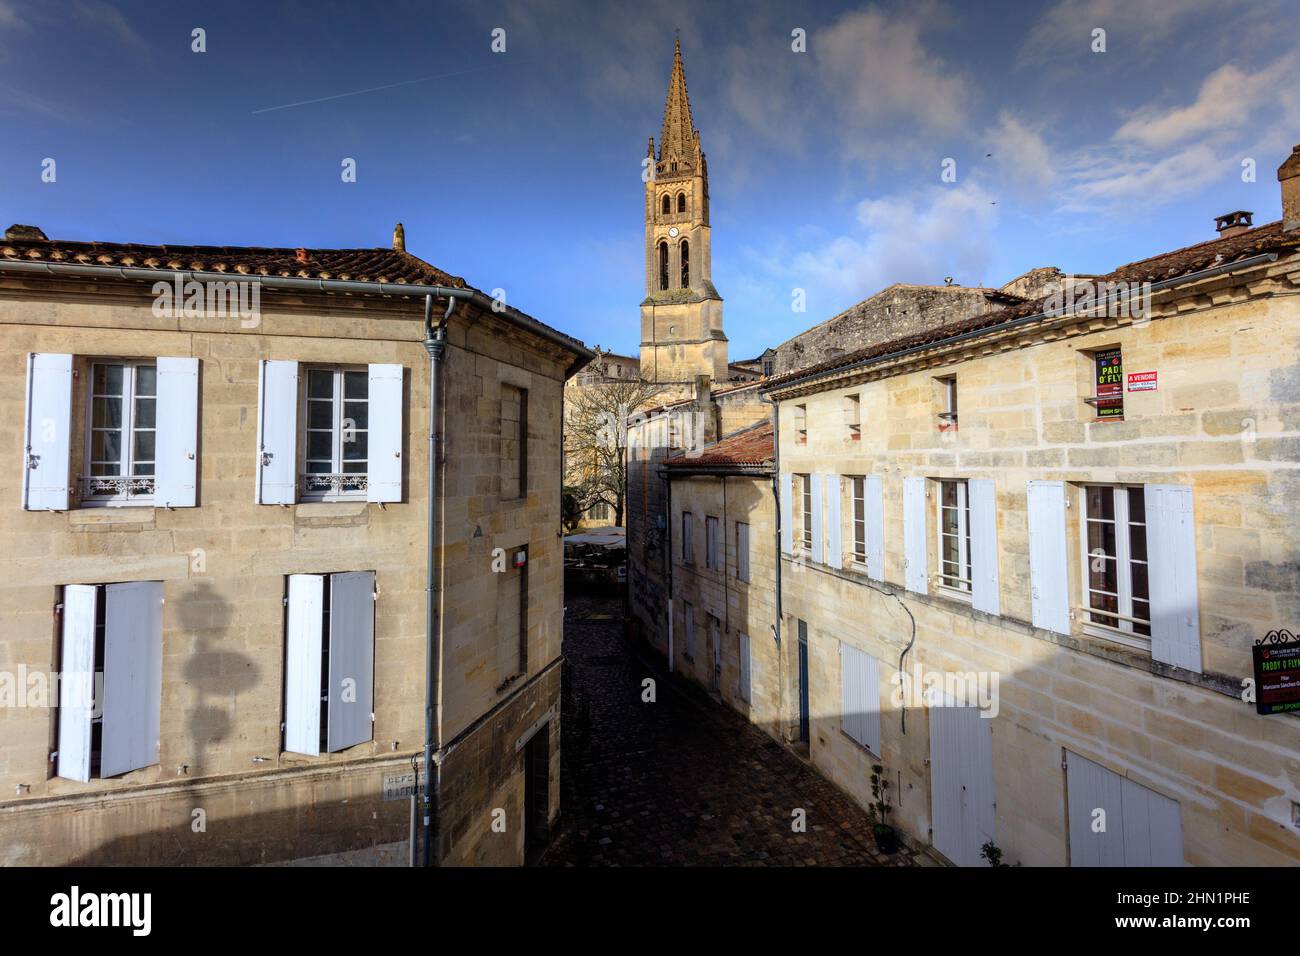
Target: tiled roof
x,y
382,265
753,446
356,265
1169,265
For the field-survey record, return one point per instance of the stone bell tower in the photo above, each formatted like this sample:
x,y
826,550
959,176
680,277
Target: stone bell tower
x,y
681,317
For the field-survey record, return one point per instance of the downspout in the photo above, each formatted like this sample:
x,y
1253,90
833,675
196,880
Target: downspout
x,y
776,538
668,534
435,340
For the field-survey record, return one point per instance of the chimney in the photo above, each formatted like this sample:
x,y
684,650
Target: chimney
x,y
702,390
1288,174
399,238
300,255
1233,223
17,231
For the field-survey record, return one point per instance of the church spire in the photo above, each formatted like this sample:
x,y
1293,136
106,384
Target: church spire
x,y
679,139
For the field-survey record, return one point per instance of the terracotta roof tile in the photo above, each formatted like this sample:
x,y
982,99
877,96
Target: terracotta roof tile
x,y
1169,265
752,446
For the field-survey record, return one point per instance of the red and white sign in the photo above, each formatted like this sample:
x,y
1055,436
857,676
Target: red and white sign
x,y
1142,381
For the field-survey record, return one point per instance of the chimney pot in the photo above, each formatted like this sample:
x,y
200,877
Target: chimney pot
x,y
1288,174
1233,223
300,255
399,238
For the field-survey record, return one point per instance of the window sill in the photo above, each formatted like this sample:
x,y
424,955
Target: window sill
x,y
102,514
953,594
330,508
1136,642
859,745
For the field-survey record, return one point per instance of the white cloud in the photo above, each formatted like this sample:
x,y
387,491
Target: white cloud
x,y
1065,30
878,67
1226,100
946,231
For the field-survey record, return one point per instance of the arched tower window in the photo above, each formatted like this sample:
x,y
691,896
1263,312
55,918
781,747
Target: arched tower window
x,y
686,264
663,265
667,204
681,202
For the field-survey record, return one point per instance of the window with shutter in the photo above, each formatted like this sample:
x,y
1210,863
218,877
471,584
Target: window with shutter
x,y
860,697
121,433
1116,588
336,433
110,693
742,551
329,661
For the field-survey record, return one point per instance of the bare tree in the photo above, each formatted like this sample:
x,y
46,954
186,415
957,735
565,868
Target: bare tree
x,y
595,440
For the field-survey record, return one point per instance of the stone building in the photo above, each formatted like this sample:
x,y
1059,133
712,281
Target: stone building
x,y
721,584
219,524
1026,556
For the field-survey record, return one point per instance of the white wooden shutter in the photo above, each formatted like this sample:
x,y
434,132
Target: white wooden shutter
x,y
787,513
48,438
860,696
1143,828
77,680
745,685
1171,550
916,557
742,551
384,481
1048,577
351,660
177,447
873,492
132,676
818,537
834,547
982,498
277,432
303,641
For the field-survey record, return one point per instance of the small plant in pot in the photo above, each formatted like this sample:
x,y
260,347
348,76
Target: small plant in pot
x,y
886,837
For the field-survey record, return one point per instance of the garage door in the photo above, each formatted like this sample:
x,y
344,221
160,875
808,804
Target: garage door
x,y
1137,826
961,783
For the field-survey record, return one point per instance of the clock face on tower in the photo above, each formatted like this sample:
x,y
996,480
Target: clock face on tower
x,y
673,232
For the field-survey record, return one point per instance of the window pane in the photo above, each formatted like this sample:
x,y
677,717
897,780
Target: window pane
x,y
1101,537
144,412
142,468
358,413
1141,589
949,493
949,516
320,445
1102,575
355,450
356,384
1137,542
318,467
320,383
1101,503
108,413
144,443
950,552
106,446
320,414
108,380
1137,505
354,468
146,380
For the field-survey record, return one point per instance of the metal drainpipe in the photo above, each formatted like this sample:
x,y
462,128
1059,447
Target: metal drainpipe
x,y
435,340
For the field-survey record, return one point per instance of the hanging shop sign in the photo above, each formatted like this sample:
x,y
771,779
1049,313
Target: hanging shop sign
x,y
1277,673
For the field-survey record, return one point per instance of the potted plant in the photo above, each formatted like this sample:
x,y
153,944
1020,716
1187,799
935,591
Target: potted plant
x,y
886,837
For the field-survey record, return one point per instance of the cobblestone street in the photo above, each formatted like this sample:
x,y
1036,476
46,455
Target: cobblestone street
x,y
681,781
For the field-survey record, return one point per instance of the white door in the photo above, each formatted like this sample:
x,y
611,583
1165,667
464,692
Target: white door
x,y
1116,822
961,783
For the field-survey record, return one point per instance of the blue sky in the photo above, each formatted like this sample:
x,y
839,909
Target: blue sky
x,y
521,170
